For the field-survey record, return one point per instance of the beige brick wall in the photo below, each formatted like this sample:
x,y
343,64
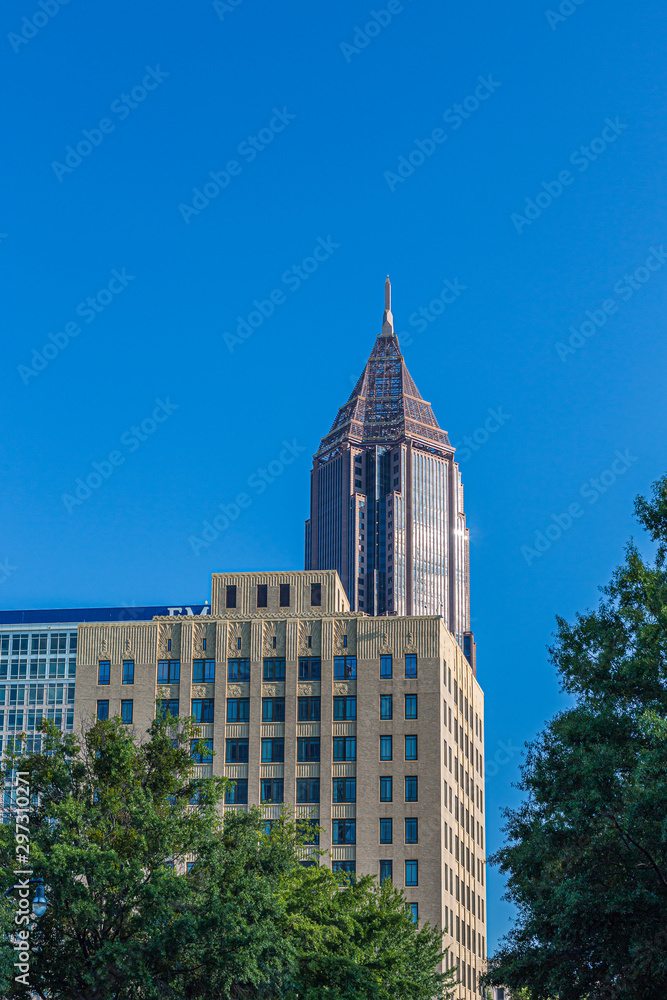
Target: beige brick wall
x,y
443,726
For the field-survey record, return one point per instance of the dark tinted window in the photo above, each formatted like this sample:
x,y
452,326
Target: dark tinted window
x,y
284,595
316,595
231,596
262,601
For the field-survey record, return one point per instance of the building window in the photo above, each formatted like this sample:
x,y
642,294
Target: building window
x,y
237,752
414,912
238,793
308,790
345,789
168,671
411,748
273,751
309,666
238,642
274,641
348,867
411,831
385,667
203,644
309,832
385,747
274,669
411,706
237,669
345,707
411,788
410,666
273,709
345,748
345,640
386,872
262,595
385,706
238,709
126,711
104,672
316,595
231,596
203,671
202,709
345,668
169,644
103,710
284,595
344,831
310,641
412,873
386,830
308,710
386,789
272,790
128,671
201,751
308,749
167,706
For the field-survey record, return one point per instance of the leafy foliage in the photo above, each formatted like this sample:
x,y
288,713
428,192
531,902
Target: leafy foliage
x,y
586,857
116,825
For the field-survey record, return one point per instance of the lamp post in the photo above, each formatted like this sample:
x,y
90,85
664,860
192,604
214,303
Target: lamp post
x,y
39,903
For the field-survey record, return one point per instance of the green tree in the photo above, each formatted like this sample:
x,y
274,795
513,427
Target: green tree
x,y
116,823
586,853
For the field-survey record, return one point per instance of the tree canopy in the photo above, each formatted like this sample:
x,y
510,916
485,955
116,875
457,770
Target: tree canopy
x,y
155,895
586,853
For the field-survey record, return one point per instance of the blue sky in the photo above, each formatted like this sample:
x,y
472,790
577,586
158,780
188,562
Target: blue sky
x,y
537,199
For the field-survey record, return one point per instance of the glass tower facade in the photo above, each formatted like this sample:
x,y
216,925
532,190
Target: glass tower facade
x,y
386,505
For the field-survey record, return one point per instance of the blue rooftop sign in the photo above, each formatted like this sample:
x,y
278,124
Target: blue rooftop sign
x,y
70,616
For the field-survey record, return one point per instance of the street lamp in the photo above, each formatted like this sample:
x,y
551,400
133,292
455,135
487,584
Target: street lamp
x,y
39,903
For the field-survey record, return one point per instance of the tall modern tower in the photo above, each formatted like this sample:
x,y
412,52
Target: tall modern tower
x,y
386,499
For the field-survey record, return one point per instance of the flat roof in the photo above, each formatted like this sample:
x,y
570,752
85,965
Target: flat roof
x,y
72,616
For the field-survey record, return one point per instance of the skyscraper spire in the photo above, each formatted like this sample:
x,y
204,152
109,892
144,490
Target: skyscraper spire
x,y
387,319
386,505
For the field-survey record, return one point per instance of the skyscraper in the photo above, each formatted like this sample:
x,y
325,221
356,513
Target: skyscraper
x,y
386,500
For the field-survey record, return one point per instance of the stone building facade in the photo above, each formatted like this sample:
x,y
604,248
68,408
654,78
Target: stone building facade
x,y
370,726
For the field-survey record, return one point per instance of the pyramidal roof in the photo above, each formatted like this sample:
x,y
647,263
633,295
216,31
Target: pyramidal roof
x,y
385,404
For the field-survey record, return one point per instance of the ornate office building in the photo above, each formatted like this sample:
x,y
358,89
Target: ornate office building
x,y
370,727
386,501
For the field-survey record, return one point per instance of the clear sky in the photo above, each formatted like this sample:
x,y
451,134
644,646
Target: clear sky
x,y
334,129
